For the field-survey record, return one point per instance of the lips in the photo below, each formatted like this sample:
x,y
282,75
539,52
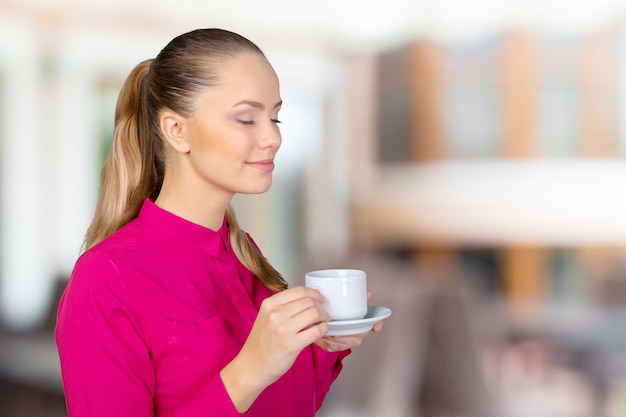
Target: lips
x,y
265,165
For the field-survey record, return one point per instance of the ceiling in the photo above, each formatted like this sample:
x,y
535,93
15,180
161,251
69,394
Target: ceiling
x,y
360,24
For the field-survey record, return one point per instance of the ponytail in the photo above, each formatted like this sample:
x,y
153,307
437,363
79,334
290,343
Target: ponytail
x,y
133,170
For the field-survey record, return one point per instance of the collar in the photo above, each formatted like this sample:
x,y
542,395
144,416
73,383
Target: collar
x,y
192,234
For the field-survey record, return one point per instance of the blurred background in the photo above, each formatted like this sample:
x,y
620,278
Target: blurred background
x,y
468,154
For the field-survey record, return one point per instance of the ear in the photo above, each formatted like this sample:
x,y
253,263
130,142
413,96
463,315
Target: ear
x,y
173,129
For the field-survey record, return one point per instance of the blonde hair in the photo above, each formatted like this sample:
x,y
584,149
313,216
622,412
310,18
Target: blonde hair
x,y
135,166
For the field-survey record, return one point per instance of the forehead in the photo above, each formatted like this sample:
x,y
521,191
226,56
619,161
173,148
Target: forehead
x,y
247,73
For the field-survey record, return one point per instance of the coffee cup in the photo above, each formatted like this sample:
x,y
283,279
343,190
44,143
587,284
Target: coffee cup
x,y
345,291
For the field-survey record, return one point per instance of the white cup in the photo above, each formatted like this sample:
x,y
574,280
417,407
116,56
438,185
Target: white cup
x,y
345,291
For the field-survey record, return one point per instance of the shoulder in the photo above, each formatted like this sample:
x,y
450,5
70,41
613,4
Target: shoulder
x,y
97,271
108,265
100,287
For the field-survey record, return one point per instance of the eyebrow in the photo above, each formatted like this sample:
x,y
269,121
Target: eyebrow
x,y
257,105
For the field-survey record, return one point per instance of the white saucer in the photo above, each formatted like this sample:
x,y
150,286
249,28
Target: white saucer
x,y
364,325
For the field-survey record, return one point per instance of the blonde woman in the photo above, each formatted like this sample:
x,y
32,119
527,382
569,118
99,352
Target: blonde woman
x,y
172,310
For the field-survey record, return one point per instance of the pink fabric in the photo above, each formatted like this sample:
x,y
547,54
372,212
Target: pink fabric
x,y
152,314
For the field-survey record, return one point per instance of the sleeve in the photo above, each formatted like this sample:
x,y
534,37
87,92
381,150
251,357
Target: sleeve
x,y
105,357
327,366
105,362
214,401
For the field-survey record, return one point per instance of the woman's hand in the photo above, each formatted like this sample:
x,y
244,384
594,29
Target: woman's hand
x,y
339,343
287,322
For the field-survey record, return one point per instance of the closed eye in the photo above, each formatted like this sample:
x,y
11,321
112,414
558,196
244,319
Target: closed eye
x,y
251,122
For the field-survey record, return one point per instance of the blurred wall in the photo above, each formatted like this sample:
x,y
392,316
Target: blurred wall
x,y
61,67
62,63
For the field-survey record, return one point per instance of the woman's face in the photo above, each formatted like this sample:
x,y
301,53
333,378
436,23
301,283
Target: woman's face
x,y
233,134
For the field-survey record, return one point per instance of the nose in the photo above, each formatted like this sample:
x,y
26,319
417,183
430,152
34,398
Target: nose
x,y
270,136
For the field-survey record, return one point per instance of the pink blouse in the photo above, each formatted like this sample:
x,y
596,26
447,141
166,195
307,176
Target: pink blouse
x,y
151,316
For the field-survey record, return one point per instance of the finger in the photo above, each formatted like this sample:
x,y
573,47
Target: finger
x,y
339,343
349,340
295,293
369,295
312,334
306,318
303,305
377,326
293,317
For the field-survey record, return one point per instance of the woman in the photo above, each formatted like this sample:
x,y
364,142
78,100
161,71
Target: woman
x,y
172,310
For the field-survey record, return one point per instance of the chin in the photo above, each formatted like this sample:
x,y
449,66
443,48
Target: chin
x,y
260,189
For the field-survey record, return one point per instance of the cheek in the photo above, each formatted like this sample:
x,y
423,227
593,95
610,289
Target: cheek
x,y
236,144
205,142
221,144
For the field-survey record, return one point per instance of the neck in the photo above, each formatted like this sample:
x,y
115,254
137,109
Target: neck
x,y
206,211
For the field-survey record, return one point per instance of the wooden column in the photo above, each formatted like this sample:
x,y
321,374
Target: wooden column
x,y
425,85
598,87
519,78
439,264
524,271
361,127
